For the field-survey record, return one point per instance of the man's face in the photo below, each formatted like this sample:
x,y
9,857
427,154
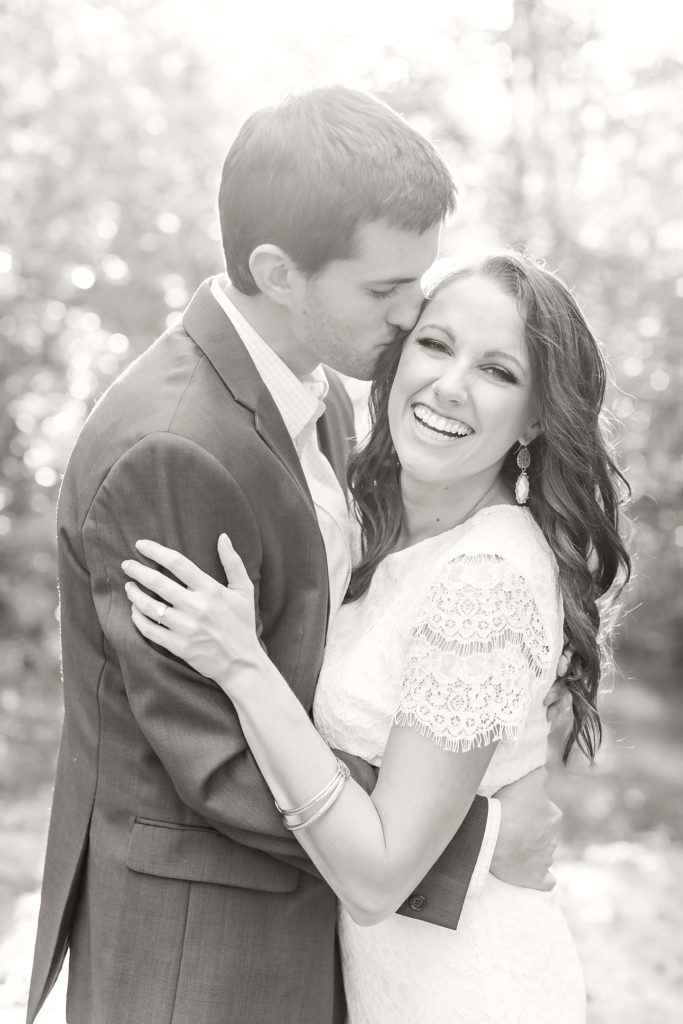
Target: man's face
x,y
346,315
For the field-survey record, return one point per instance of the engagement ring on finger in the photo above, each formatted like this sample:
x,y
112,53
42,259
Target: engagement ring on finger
x,y
164,609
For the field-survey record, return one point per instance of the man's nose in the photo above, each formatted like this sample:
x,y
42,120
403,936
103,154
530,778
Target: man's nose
x,y
405,310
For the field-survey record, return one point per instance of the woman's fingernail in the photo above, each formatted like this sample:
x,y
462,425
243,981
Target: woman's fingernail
x,y
142,544
125,565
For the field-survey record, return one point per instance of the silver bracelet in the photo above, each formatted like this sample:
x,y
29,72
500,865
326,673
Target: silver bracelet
x,y
296,819
341,767
294,826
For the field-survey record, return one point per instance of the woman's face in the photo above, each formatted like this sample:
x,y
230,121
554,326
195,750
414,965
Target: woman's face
x,y
462,393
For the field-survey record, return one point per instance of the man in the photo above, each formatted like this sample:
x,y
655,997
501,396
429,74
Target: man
x,y
168,872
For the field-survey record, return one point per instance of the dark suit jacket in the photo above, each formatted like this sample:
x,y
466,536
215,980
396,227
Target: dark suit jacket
x,y
168,871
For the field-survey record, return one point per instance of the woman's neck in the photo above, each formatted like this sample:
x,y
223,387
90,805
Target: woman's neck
x,y
429,510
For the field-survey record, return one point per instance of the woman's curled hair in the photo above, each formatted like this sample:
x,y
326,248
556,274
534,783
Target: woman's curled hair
x,y
577,490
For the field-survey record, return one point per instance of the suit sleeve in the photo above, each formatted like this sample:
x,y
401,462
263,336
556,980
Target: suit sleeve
x,y
440,897
168,489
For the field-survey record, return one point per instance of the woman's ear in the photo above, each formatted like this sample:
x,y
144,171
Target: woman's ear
x,y
273,271
531,433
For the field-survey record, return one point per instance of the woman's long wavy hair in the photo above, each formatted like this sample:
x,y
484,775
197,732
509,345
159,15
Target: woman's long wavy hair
x,y
577,490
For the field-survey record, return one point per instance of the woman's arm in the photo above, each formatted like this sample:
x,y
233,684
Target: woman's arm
x,y
372,850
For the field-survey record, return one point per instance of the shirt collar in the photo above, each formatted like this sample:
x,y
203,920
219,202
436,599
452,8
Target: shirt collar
x,y
300,401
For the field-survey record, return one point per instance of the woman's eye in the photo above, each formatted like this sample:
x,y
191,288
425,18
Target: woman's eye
x,y
501,373
433,343
383,295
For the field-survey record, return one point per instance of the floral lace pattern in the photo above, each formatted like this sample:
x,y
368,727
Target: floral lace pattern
x,y
475,656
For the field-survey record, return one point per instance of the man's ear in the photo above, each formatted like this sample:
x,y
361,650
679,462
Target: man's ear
x,y
274,273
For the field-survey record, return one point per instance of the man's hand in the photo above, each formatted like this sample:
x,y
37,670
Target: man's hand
x,y
558,701
527,839
558,705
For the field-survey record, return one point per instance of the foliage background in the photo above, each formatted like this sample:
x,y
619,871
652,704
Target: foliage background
x,y
563,124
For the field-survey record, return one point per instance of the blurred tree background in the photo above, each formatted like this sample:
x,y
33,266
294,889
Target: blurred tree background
x,y
563,124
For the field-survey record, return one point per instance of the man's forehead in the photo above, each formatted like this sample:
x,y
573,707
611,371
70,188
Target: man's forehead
x,y
394,255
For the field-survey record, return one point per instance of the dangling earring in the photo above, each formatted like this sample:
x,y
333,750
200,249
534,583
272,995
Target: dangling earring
x,y
522,485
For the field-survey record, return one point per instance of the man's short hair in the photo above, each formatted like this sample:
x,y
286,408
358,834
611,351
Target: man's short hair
x,y
306,174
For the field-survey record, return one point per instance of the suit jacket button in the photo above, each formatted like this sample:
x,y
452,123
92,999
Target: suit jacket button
x,y
417,901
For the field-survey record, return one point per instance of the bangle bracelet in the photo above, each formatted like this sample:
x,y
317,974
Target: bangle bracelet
x,y
341,767
294,826
316,807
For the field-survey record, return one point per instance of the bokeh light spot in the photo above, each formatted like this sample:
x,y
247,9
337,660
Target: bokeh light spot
x,y
632,367
115,269
118,343
649,326
659,380
55,310
83,277
623,406
169,223
90,322
45,476
174,319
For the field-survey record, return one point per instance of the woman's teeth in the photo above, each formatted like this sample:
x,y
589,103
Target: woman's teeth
x,y
440,424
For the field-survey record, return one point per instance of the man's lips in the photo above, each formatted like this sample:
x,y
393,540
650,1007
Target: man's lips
x,y
443,425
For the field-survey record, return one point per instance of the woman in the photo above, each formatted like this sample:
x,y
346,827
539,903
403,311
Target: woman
x,y
488,503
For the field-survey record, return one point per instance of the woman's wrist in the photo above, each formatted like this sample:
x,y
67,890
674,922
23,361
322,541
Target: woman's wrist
x,y
250,679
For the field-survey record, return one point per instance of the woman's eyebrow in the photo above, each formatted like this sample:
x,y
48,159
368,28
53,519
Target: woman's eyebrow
x,y
437,327
506,355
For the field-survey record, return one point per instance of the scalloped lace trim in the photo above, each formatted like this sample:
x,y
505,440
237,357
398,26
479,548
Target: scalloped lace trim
x,y
476,654
492,734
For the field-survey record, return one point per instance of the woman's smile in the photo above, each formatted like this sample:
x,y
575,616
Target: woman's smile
x,y
436,426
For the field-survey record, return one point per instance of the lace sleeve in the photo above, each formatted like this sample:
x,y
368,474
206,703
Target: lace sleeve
x,y
475,655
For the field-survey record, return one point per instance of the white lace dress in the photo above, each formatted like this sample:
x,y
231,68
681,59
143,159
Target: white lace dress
x,y
458,636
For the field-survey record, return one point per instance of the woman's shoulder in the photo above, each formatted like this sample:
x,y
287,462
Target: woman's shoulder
x,y
510,534
504,527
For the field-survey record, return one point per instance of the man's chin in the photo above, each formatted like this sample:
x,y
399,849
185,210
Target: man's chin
x,y
386,359
377,359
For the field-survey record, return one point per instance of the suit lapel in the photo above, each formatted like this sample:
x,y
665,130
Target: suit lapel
x,y
212,331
